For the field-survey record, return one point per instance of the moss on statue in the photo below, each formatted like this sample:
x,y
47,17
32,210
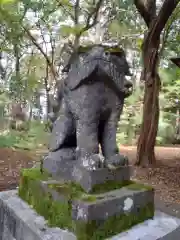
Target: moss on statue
x,y
113,225
108,48
138,186
109,186
76,191
59,213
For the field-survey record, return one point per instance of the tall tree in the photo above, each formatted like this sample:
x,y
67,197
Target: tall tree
x,y
150,53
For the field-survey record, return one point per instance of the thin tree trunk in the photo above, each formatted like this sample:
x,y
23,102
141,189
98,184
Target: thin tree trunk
x,y
47,89
17,71
150,53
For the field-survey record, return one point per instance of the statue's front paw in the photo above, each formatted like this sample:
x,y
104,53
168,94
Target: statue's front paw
x,y
117,161
94,161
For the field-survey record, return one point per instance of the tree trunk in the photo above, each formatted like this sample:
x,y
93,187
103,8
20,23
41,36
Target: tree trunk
x,y
150,53
47,89
17,70
149,128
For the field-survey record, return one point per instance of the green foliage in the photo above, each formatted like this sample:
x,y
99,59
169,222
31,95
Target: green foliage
x,y
35,137
129,125
52,25
8,140
6,1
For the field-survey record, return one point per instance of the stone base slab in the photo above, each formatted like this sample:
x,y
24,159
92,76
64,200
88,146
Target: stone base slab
x,y
87,178
111,207
129,199
19,222
163,226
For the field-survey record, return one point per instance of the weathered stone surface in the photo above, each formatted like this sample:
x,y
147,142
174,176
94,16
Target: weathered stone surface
x,y
26,224
60,165
121,201
92,95
87,178
117,202
162,227
19,222
93,215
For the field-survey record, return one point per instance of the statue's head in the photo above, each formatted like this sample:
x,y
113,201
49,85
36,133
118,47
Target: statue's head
x,y
108,62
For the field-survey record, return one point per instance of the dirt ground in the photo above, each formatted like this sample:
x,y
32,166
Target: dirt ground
x,y
165,176
11,162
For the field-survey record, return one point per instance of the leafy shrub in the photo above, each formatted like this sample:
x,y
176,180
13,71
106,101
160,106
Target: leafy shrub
x,y
129,124
8,140
34,138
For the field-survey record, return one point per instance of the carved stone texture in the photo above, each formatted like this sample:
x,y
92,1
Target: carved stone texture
x,y
62,166
93,99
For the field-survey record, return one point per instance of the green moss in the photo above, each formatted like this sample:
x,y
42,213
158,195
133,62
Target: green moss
x,y
84,49
35,173
76,191
71,189
59,213
138,186
109,186
113,225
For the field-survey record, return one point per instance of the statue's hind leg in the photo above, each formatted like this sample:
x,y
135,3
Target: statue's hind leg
x,y
109,146
63,132
59,161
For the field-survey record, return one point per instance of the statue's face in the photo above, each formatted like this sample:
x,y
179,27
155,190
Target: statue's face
x,y
111,63
114,58
108,64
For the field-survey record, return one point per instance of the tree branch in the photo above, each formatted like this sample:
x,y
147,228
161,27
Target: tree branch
x,y
65,10
147,9
94,12
162,18
76,12
32,38
167,30
2,69
52,40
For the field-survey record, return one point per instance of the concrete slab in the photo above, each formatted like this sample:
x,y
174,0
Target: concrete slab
x,y
19,222
172,209
161,227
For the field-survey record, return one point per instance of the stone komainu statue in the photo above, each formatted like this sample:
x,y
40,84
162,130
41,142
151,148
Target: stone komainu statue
x,y
92,101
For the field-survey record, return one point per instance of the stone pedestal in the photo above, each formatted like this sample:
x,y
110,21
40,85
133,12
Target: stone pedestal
x,y
70,170
18,221
93,204
76,202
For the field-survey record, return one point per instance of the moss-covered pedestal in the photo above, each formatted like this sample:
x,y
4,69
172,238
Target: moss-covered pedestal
x,y
108,209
